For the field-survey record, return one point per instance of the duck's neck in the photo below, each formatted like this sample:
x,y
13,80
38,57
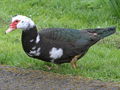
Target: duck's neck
x,y
29,38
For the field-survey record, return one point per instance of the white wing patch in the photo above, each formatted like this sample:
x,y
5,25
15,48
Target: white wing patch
x,y
37,38
55,53
34,52
31,40
34,48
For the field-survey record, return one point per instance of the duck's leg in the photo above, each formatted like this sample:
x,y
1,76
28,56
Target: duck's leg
x,y
48,67
72,63
74,60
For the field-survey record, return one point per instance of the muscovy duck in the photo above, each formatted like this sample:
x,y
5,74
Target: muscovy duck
x,y
57,45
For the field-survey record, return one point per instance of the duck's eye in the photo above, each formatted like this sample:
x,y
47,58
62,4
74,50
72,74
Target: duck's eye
x,y
16,21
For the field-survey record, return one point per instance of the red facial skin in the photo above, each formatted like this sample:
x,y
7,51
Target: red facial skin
x,y
13,26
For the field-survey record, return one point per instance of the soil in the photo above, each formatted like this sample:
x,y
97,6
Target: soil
x,y
13,78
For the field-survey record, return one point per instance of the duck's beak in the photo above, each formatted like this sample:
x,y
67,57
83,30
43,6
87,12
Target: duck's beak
x,y
9,30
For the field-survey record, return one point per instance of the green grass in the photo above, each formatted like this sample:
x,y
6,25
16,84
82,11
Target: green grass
x,y
114,5
102,61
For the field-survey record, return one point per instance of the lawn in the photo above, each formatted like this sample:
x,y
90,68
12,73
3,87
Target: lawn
x,y
102,62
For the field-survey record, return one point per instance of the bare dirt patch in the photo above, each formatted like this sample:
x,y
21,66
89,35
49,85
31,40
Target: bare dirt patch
x,y
12,78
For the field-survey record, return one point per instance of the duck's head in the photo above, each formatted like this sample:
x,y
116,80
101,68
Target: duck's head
x,y
20,22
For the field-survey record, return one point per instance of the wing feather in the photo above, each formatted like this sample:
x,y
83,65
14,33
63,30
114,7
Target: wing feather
x,y
58,34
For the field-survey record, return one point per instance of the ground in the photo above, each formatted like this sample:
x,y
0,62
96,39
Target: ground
x,y
27,79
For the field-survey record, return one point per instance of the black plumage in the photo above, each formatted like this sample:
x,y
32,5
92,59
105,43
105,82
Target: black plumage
x,y
73,42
